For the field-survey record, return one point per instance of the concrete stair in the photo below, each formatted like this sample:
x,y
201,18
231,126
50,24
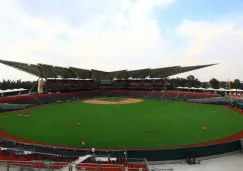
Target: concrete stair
x,y
81,158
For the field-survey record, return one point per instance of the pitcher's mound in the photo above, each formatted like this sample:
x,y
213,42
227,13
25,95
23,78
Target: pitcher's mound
x,y
100,101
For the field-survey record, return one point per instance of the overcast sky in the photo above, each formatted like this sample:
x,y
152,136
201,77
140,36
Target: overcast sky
x,y
123,34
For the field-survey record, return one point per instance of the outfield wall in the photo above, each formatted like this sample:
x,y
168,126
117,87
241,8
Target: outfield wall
x,y
183,153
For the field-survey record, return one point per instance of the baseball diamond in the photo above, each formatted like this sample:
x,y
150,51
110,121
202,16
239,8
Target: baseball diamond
x,y
172,123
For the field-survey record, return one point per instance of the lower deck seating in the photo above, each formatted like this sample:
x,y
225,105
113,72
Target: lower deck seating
x,y
29,99
210,100
132,94
117,165
40,149
46,99
56,97
65,98
169,96
5,107
154,95
22,159
43,161
236,102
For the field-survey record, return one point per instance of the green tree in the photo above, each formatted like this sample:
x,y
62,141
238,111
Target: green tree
x,y
224,84
11,84
192,81
204,84
237,84
215,83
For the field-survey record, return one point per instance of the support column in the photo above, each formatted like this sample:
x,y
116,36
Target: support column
x,y
34,85
40,86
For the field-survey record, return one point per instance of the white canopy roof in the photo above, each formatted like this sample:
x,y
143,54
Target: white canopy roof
x,y
238,90
222,89
210,89
13,90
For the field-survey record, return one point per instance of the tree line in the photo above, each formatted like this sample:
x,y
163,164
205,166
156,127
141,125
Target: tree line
x,y
12,84
190,81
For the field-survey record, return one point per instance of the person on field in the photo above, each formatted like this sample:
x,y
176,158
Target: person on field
x,y
93,150
26,115
118,105
148,128
78,122
204,127
83,142
93,155
20,114
196,109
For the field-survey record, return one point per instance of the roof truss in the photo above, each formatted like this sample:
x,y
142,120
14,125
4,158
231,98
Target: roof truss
x,y
49,71
181,70
162,72
81,73
29,68
141,73
65,72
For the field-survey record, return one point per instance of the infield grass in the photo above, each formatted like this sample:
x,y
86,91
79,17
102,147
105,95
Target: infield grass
x,y
106,126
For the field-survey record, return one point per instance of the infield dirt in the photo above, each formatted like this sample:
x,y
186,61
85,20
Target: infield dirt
x,y
126,101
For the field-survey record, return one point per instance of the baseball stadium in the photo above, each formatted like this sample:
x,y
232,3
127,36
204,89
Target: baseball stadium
x,y
82,119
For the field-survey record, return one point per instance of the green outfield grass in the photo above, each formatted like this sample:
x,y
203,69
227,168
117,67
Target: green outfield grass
x,y
106,126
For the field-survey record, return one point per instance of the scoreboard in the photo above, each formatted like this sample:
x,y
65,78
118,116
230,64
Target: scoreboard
x,y
105,82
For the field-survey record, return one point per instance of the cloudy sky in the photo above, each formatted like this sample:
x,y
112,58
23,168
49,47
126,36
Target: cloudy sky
x,y
123,34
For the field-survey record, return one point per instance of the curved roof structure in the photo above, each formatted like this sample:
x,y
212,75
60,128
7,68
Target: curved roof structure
x,y
49,71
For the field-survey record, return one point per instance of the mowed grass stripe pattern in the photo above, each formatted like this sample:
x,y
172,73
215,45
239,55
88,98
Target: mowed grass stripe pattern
x,y
106,126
